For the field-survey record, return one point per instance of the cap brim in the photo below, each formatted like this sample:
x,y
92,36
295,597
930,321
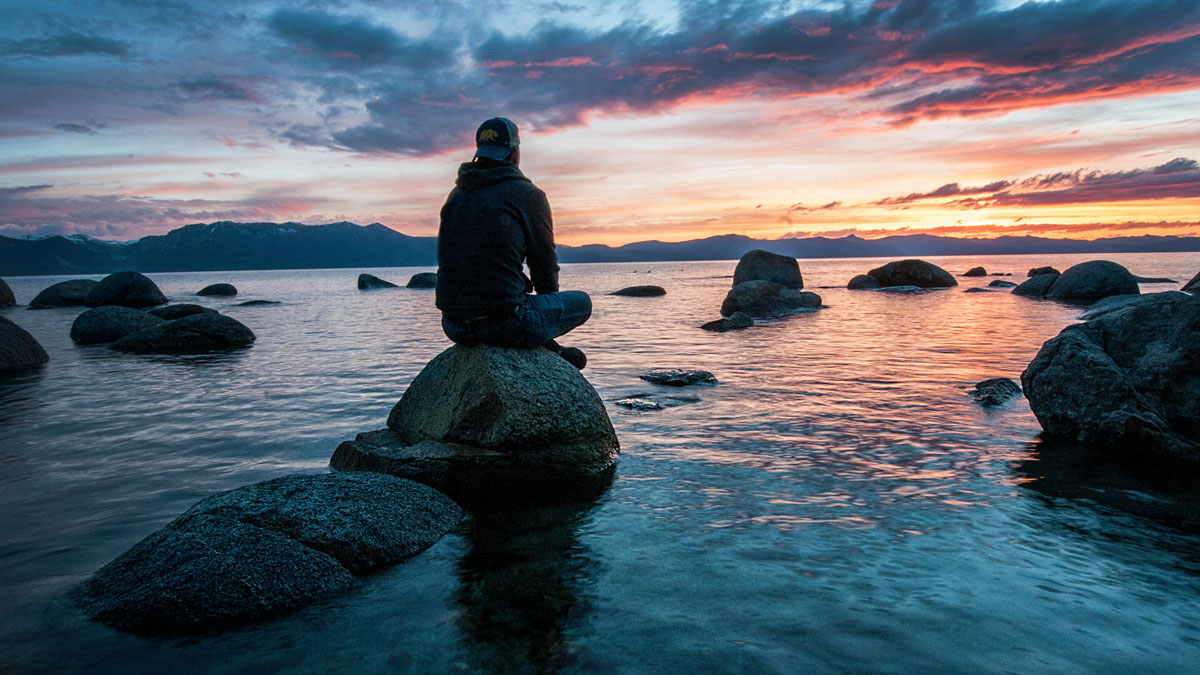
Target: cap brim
x,y
493,151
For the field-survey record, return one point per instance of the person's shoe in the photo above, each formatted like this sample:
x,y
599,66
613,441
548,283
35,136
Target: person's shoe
x,y
573,356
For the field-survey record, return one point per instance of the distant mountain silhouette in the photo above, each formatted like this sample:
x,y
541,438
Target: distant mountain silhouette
x,y
262,246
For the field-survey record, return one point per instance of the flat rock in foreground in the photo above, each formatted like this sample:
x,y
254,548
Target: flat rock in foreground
x,y
264,550
768,299
1126,381
70,293
913,273
194,334
492,422
18,349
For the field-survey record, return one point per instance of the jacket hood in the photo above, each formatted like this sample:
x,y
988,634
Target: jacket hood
x,y
482,173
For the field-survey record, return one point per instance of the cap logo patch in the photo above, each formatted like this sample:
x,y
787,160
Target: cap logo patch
x,y
488,135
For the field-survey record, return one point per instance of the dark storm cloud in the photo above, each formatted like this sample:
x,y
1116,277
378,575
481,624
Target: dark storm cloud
x,y
67,43
354,41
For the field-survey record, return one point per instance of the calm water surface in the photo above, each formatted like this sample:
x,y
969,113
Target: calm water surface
x,y
838,503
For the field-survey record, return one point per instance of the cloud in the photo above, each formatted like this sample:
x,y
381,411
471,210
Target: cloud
x,y
75,128
991,230
354,41
66,43
948,190
216,89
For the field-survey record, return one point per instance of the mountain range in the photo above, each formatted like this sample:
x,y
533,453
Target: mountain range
x,y
259,246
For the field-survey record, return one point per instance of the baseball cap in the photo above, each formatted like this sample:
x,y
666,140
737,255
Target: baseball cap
x,y
496,138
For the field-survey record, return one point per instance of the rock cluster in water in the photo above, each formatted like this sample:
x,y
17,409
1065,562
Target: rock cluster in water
x,y
71,293
1083,283
1125,380
767,299
367,282
192,334
489,424
423,280
264,550
18,349
126,289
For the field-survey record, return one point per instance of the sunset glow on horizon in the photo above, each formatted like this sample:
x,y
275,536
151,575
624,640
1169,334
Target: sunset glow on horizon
x,y
677,121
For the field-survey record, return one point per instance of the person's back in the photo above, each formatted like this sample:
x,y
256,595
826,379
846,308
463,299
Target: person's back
x,y
494,221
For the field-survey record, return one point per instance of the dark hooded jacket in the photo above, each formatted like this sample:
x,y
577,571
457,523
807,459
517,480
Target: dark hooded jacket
x,y
494,220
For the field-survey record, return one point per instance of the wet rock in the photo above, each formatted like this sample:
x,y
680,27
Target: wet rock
x,y
999,283
18,349
863,282
1125,381
258,303
995,391
264,550
172,312
903,289
1042,270
1091,281
71,293
641,291
979,290
679,377
759,265
125,289
102,325
7,299
639,404
1036,286
735,321
912,273
368,282
193,334
975,272
1193,286
493,423
1153,280
767,299
422,280
218,289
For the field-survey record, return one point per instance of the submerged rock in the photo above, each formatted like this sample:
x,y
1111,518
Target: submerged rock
x,y
1193,286
71,293
1091,281
1000,283
109,324
1036,286
193,334
18,349
7,299
767,299
172,312
903,289
1153,280
264,550
995,391
422,280
639,404
975,272
258,303
912,273
493,423
979,290
735,321
218,289
641,291
863,282
368,282
759,265
1125,380
679,377
1042,270
126,289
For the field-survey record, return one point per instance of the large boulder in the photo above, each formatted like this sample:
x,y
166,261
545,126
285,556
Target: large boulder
x,y
422,280
1091,281
18,349
7,299
1036,286
1033,272
1193,286
367,282
863,282
71,293
102,325
913,273
488,423
767,299
975,272
264,550
218,289
641,291
127,289
193,334
172,312
759,265
1127,380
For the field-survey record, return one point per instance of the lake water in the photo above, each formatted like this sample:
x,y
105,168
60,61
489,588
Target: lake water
x,y
837,503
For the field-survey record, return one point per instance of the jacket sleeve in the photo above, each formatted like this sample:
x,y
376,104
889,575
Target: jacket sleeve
x,y
539,251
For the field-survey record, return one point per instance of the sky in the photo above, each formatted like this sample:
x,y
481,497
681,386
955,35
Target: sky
x,y
641,120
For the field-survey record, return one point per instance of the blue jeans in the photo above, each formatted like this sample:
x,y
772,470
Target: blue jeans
x,y
538,320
